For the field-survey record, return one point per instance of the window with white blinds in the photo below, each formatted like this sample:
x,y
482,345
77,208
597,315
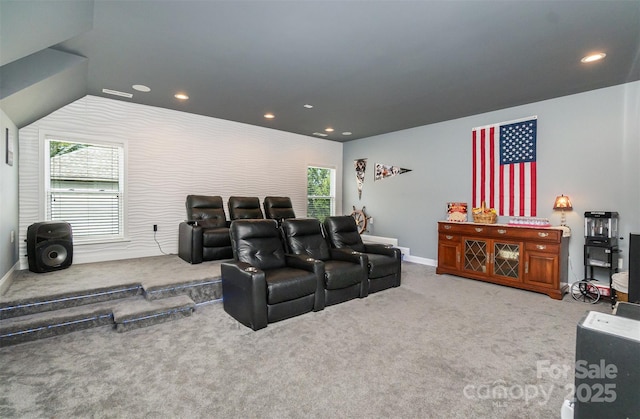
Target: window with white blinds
x,y
321,192
84,186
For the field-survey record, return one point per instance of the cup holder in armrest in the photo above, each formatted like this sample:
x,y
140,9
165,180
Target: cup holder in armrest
x,y
251,269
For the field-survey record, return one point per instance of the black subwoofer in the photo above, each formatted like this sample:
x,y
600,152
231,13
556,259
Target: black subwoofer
x,y
49,246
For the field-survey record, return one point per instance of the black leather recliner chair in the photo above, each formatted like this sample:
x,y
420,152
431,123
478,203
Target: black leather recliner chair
x,y
346,270
244,207
385,262
278,208
204,235
264,284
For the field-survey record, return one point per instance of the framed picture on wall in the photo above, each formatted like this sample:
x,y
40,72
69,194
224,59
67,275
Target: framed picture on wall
x,y
9,147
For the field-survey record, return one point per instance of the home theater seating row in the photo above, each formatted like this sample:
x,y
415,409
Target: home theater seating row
x,y
204,235
283,266
286,271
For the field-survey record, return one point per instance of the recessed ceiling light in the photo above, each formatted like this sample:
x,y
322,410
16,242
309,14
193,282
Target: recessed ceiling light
x,y
141,88
593,57
329,129
181,96
117,93
347,133
307,106
269,115
320,134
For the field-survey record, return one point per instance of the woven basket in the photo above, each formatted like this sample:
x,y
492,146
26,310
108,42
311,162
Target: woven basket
x,y
484,217
490,218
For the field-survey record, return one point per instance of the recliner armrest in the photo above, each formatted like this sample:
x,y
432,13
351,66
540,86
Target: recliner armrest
x,y
244,290
242,267
190,242
383,249
312,265
348,255
304,262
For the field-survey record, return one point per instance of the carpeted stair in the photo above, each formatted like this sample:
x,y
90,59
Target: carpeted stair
x,y
57,322
124,307
200,291
147,313
45,303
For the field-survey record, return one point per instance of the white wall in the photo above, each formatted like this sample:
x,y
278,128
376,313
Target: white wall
x,y
588,147
8,202
170,155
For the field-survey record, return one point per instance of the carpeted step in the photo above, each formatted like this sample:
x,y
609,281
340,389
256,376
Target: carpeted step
x,y
129,316
23,307
201,291
52,323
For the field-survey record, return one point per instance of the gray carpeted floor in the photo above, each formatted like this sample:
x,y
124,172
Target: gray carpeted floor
x,y
149,271
438,346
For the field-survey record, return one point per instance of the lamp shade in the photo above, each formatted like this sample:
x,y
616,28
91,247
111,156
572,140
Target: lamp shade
x,y
562,203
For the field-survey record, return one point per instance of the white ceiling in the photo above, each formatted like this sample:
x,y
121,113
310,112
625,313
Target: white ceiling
x,y
367,67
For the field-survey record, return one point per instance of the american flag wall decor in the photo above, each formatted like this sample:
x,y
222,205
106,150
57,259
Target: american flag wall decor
x,y
504,167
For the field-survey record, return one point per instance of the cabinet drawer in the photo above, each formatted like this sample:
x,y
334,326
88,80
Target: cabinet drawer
x,y
464,228
501,231
549,234
523,233
542,247
449,238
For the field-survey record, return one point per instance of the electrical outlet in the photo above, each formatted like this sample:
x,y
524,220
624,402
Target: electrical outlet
x,y
155,227
12,236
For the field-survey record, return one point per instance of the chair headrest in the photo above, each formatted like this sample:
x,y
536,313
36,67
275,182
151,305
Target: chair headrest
x,y
304,236
278,207
342,231
244,207
207,209
258,243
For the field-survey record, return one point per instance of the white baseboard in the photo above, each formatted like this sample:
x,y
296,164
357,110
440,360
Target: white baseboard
x,y
6,280
379,239
406,252
421,261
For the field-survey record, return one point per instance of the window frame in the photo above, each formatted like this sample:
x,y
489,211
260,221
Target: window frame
x,y
332,186
45,181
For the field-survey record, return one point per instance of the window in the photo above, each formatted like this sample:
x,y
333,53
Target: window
x,y
84,186
321,192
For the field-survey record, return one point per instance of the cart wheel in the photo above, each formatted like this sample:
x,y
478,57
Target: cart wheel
x,y
586,292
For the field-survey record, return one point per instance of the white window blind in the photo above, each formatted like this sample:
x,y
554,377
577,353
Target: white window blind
x,y
84,187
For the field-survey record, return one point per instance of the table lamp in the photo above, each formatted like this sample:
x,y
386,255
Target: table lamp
x,y
563,203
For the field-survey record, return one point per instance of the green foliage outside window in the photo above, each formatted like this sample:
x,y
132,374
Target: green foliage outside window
x,y
58,148
319,200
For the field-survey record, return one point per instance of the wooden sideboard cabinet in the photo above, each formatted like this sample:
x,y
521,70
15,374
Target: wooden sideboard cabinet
x,y
530,258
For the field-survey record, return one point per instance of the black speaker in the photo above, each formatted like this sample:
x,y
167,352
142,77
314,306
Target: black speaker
x,y
634,268
49,246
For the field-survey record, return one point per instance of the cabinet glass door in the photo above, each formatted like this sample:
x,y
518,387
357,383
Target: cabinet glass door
x,y
506,260
475,255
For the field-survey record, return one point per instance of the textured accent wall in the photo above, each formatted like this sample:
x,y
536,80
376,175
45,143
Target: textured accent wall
x,y
170,155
